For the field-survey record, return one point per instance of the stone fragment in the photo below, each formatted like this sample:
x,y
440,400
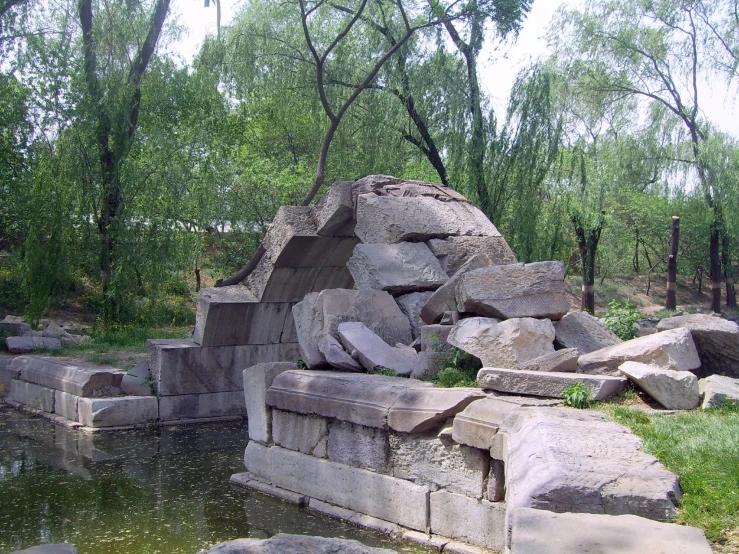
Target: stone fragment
x,y
583,331
495,490
336,356
668,349
434,338
138,381
374,353
444,298
453,252
716,339
320,314
13,326
449,318
419,410
468,519
353,397
411,305
58,548
562,361
545,532
388,219
548,384
518,290
396,268
429,541
26,345
478,423
358,446
381,496
299,432
334,212
53,329
372,184
32,396
290,284
289,240
65,405
507,343
257,379
293,544
716,389
72,376
209,405
675,390
118,412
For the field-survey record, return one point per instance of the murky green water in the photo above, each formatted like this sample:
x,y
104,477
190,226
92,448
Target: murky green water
x,y
158,491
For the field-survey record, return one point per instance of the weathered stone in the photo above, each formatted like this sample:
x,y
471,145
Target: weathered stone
x,y
32,396
563,361
336,356
566,460
257,379
320,314
675,390
358,446
306,434
230,316
444,298
65,405
249,481
118,412
716,339
434,338
53,329
419,410
26,345
372,183
180,366
411,305
354,397
440,464
518,290
388,219
138,381
716,389
283,237
202,406
13,326
583,331
291,284
479,422
474,521
397,268
449,318
334,212
507,343
669,349
544,532
548,384
72,376
495,490
293,544
59,548
382,496
429,541
372,352
453,252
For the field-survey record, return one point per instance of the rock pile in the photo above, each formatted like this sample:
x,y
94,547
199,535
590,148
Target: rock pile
x,y
51,335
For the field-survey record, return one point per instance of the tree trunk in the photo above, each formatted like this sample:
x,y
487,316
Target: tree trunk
x,y
728,272
715,260
671,300
587,243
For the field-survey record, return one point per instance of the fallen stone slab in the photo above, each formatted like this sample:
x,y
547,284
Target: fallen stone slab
x,y
26,345
319,314
257,379
411,305
544,532
716,339
336,356
584,332
672,349
13,326
716,389
452,252
374,353
562,361
123,411
397,268
59,548
548,384
675,390
71,376
468,519
507,343
518,290
478,423
334,212
419,410
293,544
390,219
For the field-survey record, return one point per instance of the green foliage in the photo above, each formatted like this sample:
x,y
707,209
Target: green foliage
x,y
623,319
458,368
577,395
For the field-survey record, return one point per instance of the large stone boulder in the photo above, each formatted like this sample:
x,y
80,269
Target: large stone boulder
x,y
548,384
562,361
506,344
716,339
320,313
13,326
293,544
336,356
453,252
583,331
668,349
334,212
518,290
374,353
716,389
675,390
411,305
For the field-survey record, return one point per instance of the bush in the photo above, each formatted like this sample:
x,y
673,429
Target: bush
x,y
577,395
623,319
459,369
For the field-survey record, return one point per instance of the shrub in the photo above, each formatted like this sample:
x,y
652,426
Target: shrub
x,y
577,395
623,319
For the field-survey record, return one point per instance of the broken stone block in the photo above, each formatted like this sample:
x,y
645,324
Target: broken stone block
x,y
675,390
468,519
389,219
306,434
53,329
26,345
336,356
72,376
118,412
138,381
548,384
397,268
716,389
668,349
374,353
358,446
334,212
419,410
583,331
31,395
257,379
716,339
563,361
411,305
13,326
434,338
478,423
453,252
503,343
320,314
519,290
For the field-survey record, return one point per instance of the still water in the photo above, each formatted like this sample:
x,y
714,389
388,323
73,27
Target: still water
x,y
162,491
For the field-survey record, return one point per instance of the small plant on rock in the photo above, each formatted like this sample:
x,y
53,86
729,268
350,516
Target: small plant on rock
x,y
577,395
623,319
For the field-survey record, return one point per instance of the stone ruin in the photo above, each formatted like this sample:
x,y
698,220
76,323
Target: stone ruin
x,y
383,274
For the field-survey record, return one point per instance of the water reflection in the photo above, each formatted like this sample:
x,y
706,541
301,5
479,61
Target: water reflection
x,y
156,491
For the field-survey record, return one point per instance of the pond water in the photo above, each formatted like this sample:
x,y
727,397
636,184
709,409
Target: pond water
x,y
163,490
